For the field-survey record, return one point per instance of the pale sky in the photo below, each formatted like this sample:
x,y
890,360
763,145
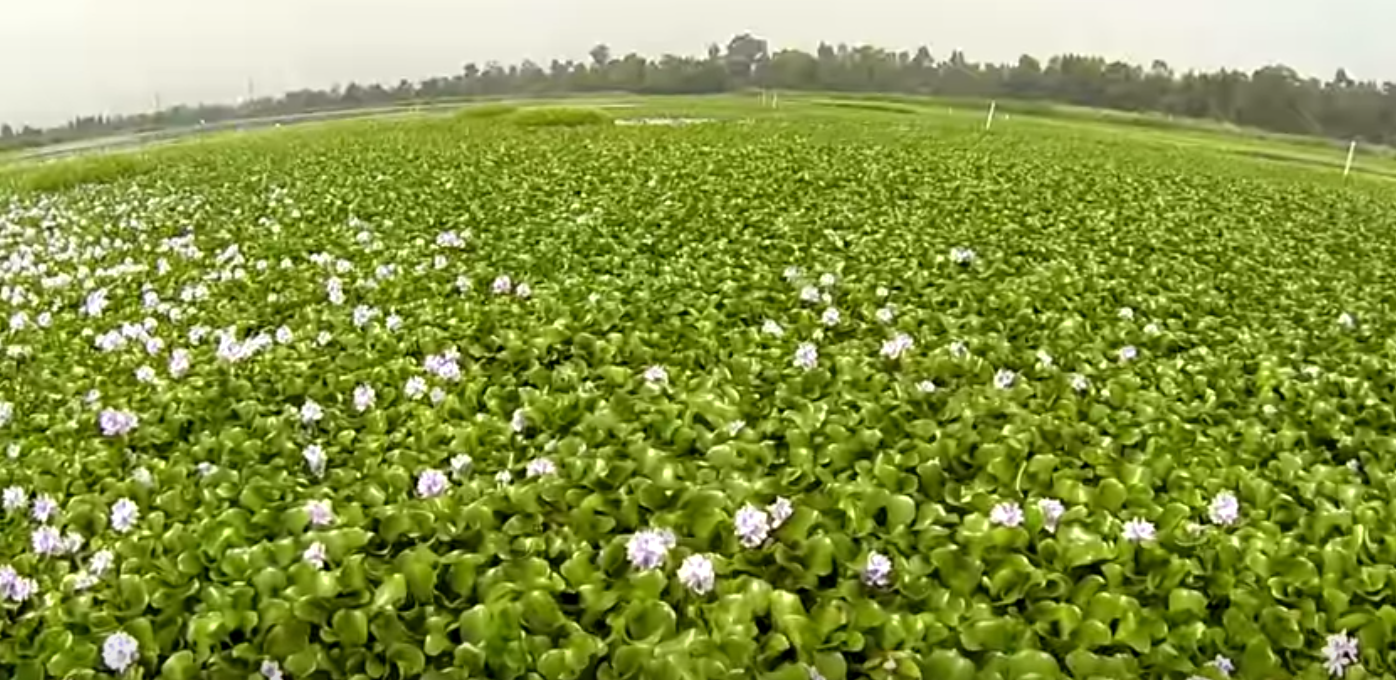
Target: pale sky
x,y
59,58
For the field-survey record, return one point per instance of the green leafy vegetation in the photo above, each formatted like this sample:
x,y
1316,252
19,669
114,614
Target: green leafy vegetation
x,y
544,117
486,111
776,398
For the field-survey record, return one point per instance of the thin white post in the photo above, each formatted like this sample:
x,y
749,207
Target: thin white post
x,y
1352,149
989,122
775,100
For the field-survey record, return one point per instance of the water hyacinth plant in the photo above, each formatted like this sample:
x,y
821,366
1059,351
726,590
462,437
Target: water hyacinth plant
x,y
775,399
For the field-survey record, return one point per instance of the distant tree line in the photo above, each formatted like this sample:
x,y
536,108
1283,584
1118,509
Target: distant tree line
x,y
1272,98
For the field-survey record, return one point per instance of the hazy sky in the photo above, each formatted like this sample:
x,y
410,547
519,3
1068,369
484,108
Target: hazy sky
x,y
64,57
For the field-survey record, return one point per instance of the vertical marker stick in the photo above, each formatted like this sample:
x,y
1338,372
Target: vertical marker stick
x,y
1352,149
989,122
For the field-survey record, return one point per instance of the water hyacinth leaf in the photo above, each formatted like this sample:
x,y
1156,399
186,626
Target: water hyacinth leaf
x,y
949,664
408,659
179,666
351,625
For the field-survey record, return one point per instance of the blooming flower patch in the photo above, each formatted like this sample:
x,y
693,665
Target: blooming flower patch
x,y
789,399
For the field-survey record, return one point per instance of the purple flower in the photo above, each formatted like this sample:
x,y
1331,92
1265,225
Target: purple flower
x,y
315,459
179,363
47,541
1339,652
311,412
416,386
95,303
780,511
1224,666
14,499
14,587
44,508
315,555
117,423
124,514
877,572
752,526
363,314
72,542
901,344
1225,509
831,317
1007,515
442,366
806,356
101,562
697,574
647,549
502,285
364,398
656,375
1004,379
321,513
1052,511
963,255
1139,530
431,483
120,651
539,467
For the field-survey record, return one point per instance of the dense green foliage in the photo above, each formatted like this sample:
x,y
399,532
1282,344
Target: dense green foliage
x,y
1275,98
647,247
558,117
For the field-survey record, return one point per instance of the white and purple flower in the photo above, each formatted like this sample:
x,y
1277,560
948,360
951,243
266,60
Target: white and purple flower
x,y
116,423
697,574
648,549
877,571
1007,515
753,526
431,483
320,513
124,514
120,651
